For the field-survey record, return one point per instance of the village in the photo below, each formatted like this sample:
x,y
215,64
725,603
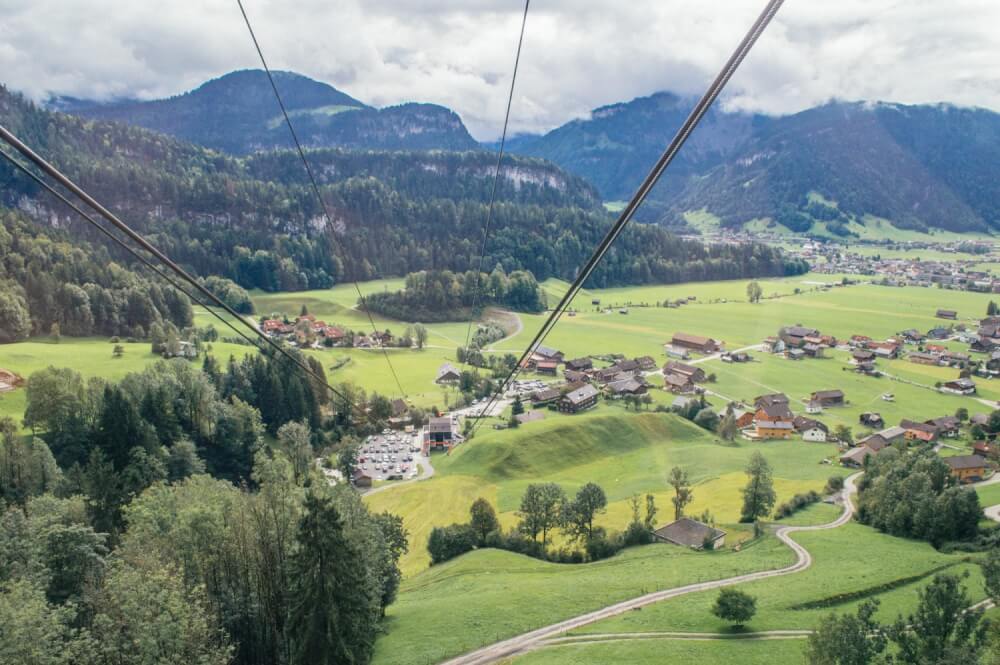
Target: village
x,y
587,380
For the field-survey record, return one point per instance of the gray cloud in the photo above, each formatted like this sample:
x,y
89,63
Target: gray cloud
x,y
578,54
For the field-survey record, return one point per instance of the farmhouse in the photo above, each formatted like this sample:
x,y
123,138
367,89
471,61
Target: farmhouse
x,y
855,457
946,314
922,358
695,374
938,333
967,468
918,431
447,373
676,352
959,387
812,350
617,389
986,449
678,383
547,353
580,364
687,532
861,355
646,363
884,349
737,357
744,418
828,397
606,374
546,367
578,400
574,377
546,396
695,342
773,345
883,439
813,406
946,425
811,430
795,354
361,479
795,336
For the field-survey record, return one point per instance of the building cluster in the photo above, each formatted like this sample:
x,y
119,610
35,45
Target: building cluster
x,y
307,330
961,275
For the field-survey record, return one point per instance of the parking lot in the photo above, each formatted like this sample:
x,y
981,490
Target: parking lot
x,y
390,455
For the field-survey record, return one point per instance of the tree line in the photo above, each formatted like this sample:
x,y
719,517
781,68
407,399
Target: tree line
x,y
184,502
52,283
262,227
441,295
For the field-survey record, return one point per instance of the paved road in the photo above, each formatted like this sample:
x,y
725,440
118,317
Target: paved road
x,y
536,638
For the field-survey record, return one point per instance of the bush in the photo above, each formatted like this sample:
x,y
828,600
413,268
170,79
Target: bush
x,y
448,542
602,546
795,504
834,485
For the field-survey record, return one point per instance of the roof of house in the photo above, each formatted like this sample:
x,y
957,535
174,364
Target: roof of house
x,y
678,367
579,363
677,379
581,395
627,365
447,369
546,364
828,394
442,424
802,423
772,398
857,455
688,532
625,386
697,340
398,407
547,352
778,410
546,395
965,462
945,422
979,419
914,426
800,331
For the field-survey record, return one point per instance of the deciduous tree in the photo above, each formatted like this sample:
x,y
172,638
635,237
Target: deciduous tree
x,y
758,495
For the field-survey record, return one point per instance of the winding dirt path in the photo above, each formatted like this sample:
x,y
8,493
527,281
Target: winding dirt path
x,y
536,638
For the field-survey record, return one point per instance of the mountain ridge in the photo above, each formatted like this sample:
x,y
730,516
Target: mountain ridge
x,y
237,113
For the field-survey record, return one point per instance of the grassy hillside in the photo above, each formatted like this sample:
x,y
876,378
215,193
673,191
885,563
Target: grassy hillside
x,y
656,652
626,454
853,560
488,595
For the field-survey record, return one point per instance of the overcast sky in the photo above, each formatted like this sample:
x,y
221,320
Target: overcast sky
x,y
578,54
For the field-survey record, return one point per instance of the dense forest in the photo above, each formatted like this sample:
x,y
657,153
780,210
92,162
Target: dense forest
x,y
184,502
441,295
48,282
218,215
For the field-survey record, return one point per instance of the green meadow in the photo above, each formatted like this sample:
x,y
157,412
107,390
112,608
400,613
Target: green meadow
x,y
489,595
657,651
626,454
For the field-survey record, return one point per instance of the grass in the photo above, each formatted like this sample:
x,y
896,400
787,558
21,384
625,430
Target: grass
x,y
658,651
90,356
489,595
989,495
624,454
850,564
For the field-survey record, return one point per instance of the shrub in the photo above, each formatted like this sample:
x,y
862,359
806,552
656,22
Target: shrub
x,y
795,504
448,542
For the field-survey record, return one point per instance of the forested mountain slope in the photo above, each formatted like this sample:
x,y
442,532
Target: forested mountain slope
x,y
923,166
255,220
237,113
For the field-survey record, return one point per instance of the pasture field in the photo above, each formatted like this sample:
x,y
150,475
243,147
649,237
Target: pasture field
x,y
850,564
488,595
625,454
90,356
658,651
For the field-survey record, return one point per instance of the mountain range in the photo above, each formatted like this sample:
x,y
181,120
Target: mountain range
x,y
237,113
826,170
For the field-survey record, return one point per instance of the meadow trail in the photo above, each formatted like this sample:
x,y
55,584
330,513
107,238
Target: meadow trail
x,y
540,637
